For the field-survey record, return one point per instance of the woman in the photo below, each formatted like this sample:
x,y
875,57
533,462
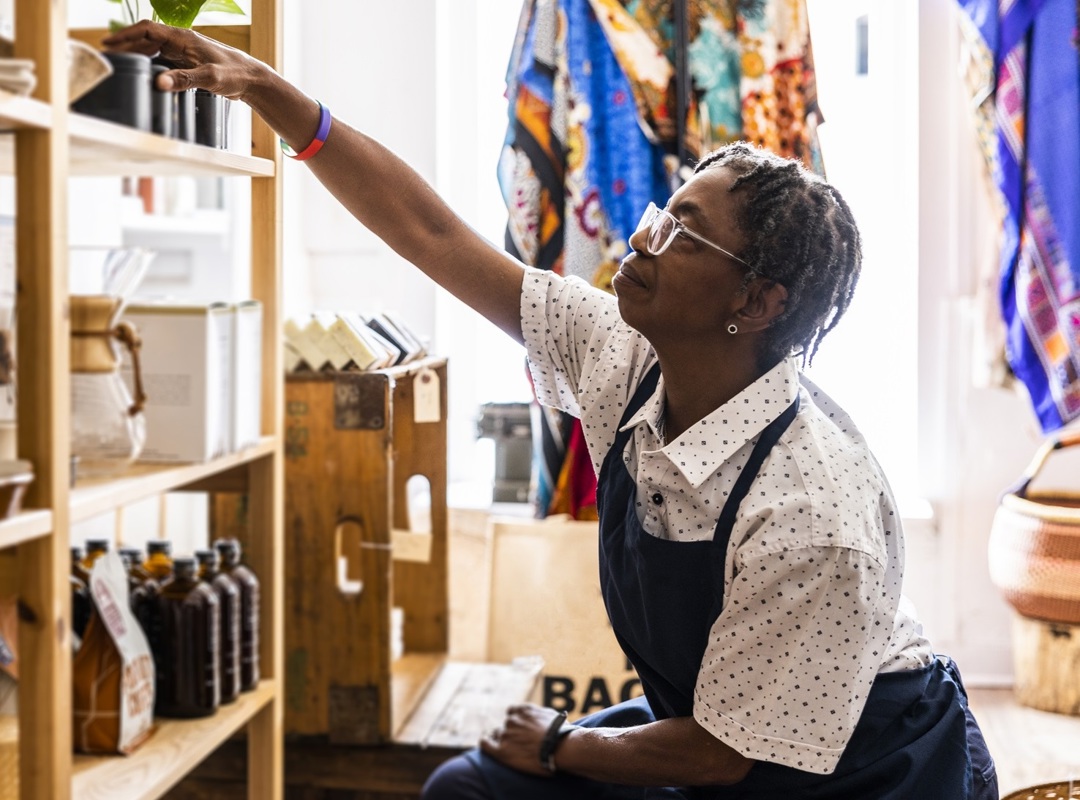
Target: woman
x,y
751,550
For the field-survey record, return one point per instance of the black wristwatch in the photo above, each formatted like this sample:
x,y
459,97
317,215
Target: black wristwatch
x,y
555,732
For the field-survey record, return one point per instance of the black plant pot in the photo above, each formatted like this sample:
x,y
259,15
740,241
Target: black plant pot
x,y
125,96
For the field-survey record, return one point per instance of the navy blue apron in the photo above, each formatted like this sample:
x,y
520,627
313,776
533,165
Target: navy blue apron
x,y
663,596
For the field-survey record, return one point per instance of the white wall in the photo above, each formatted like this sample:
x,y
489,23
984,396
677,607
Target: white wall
x,y
974,442
410,84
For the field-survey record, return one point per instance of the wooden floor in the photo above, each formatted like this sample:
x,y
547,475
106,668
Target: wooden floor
x,y
1030,747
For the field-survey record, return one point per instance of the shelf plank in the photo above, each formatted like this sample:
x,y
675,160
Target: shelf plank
x,y
175,747
93,497
410,678
24,527
99,147
466,701
17,112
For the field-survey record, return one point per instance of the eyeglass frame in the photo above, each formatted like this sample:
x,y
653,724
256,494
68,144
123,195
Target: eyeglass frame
x,y
678,227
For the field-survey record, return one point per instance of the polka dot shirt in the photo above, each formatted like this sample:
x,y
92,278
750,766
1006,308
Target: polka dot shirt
x,y
812,606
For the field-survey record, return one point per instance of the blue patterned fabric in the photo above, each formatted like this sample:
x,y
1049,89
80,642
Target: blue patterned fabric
x,y
1037,118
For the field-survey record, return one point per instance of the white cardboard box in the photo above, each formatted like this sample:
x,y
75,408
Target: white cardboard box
x,y
246,374
186,362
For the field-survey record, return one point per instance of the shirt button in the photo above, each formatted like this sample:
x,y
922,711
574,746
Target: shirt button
x,y
657,498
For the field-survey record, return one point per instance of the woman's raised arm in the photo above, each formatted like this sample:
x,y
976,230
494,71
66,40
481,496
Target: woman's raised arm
x,y
383,192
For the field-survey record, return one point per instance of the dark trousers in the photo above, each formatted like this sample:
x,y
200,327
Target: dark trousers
x,y
474,776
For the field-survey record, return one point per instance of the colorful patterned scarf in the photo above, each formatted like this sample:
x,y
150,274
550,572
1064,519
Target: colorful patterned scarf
x,y
1036,166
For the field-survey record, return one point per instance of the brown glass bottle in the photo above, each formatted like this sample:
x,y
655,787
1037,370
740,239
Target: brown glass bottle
x,y
158,559
135,556
229,597
142,593
81,604
77,568
95,549
187,664
229,550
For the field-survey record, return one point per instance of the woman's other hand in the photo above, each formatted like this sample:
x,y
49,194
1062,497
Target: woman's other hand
x,y
517,743
201,62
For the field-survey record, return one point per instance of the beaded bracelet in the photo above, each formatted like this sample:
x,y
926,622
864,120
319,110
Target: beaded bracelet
x,y
555,732
316,143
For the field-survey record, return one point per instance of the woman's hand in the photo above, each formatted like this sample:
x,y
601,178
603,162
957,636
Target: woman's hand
x,y
517,743
201,62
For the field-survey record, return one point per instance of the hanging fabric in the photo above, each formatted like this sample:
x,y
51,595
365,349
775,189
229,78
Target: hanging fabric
x,y
1036,167
594,137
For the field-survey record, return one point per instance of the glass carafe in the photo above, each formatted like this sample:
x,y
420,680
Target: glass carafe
x,y
108,428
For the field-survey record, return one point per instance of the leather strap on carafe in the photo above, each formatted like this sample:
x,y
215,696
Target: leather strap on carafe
x,y
126,334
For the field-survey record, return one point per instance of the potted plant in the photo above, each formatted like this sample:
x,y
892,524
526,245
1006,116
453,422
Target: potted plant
x,y
178,13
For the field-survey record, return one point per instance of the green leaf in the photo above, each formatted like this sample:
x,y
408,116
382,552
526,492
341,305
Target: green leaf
x,y
118,2
178,13
116,25
224,6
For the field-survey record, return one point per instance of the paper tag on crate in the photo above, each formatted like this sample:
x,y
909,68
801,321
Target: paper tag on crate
x,y
426,396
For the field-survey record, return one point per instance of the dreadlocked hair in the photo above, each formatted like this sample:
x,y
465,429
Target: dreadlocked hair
x,y
801,234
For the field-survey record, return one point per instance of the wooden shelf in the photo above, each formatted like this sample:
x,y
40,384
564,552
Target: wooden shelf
x,y
91,498
175,747
23,112
25,526
105,148
410,678
45,145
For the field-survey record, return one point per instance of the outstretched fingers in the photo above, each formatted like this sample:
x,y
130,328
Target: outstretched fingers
x,y
146,37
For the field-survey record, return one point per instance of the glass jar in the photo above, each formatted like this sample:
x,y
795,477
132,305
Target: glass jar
x,y
108,428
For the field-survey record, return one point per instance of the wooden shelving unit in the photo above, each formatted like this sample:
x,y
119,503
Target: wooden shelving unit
x,y
168,755
43,144
24,527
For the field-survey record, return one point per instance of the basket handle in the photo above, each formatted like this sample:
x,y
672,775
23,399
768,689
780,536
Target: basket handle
x,y
1056,442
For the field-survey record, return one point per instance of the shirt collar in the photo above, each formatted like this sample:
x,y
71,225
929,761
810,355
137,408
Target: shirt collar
x,y
711,441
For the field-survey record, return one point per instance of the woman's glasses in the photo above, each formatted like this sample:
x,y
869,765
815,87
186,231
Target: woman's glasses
x,y
662,229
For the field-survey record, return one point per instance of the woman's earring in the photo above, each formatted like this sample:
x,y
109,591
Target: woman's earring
x,y
733,328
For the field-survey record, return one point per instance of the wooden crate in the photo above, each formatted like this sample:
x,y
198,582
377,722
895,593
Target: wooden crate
x,y
352,441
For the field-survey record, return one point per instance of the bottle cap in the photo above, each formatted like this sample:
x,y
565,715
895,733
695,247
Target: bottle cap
x,y
184,567
159,546
229,549
208,557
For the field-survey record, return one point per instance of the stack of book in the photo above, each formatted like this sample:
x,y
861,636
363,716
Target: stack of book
x,y
348,341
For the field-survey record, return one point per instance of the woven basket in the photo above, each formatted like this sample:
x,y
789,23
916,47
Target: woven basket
x,y
1034,548
1050,791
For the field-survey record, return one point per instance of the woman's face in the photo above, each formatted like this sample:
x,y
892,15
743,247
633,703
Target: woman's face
x,y
689,290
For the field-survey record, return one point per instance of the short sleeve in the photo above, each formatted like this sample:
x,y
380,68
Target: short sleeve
x,y
566,324
792,656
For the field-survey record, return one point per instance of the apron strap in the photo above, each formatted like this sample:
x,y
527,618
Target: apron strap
x,y
768,439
